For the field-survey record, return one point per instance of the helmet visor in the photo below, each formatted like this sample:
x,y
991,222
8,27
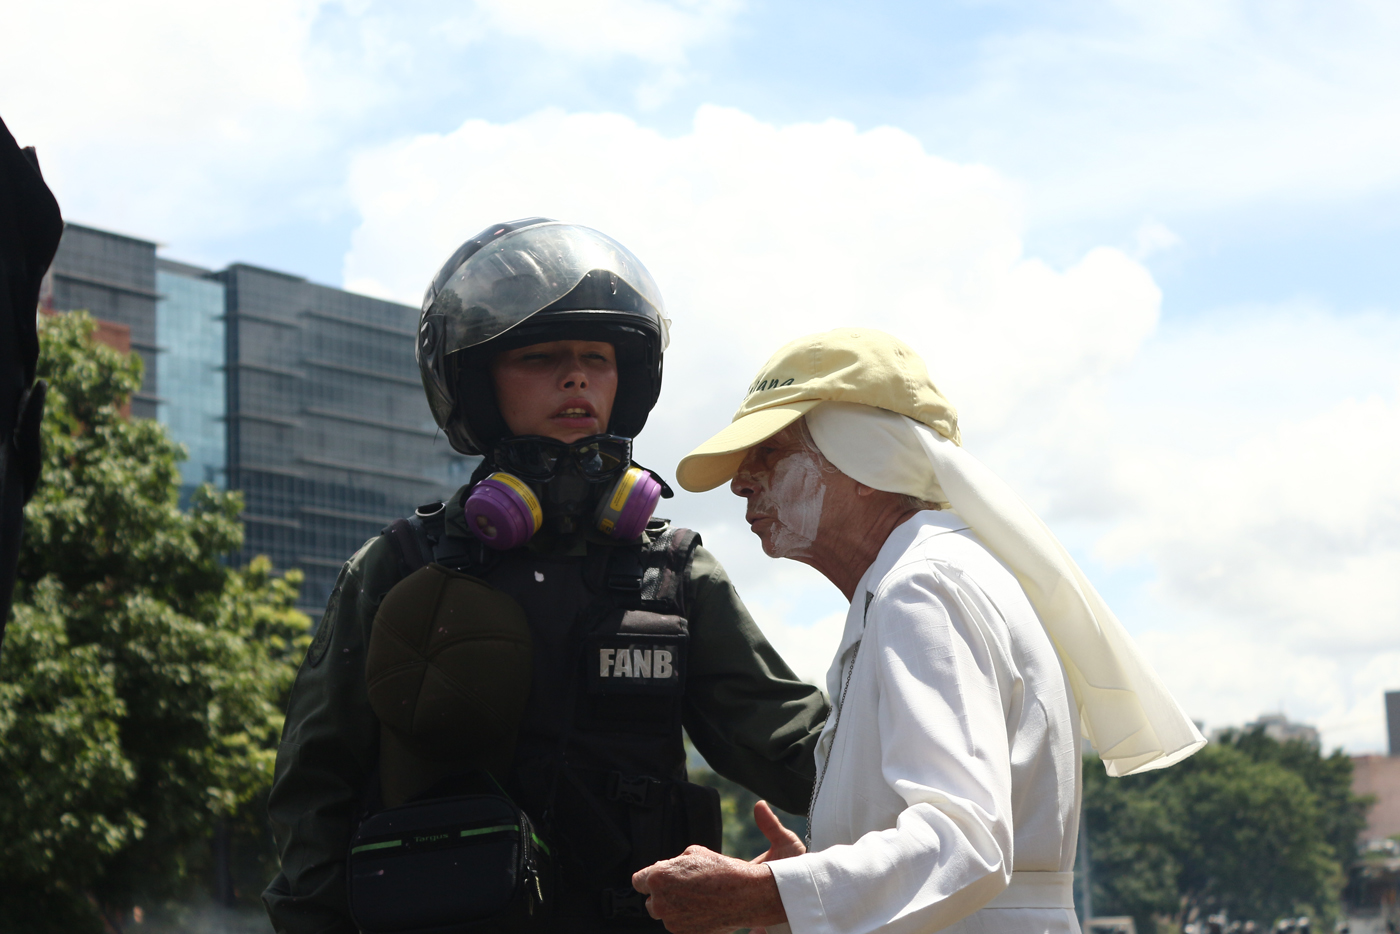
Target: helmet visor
x,y
511,278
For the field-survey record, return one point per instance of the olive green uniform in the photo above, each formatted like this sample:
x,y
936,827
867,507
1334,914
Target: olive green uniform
x,y
746,712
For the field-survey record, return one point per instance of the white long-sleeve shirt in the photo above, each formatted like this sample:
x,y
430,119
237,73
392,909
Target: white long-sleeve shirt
x,y
951,757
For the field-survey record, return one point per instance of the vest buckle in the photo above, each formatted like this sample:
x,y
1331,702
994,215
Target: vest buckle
x,y
637,790
624,902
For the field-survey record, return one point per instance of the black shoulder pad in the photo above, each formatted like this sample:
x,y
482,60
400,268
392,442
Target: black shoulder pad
x,y
665,562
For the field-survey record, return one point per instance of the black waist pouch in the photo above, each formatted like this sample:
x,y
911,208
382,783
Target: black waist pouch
x,y
463,863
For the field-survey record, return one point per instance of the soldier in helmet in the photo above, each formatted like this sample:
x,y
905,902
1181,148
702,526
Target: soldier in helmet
x,y
587,633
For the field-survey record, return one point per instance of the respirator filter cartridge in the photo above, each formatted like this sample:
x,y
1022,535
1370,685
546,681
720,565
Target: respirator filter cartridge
x,y
624,511
503,512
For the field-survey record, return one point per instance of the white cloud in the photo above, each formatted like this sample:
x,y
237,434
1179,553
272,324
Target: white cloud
x,y
193,122
164,118
751,227
198,122
1258,468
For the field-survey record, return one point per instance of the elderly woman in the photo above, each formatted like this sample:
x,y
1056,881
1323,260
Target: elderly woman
x,y
974,653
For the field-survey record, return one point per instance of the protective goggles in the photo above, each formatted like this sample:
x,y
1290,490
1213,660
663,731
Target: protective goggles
x,y
533,457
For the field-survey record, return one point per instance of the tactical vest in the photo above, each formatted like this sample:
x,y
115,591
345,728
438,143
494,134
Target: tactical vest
x,y
599,760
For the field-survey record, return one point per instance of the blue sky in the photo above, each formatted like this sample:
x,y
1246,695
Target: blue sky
x,y
1150,248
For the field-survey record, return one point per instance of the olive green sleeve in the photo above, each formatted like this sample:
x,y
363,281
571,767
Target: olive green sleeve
x,y
329,745
747,713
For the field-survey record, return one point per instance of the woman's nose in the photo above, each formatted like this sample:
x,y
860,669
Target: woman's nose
x,y
574,376
743,483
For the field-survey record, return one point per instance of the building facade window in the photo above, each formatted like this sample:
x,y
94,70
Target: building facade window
x,y
190,372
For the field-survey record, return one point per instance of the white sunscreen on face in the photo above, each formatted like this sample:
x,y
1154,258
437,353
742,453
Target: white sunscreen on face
x,y
794,500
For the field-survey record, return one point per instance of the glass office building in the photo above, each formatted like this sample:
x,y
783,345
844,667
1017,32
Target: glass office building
x,y
190,370
113,276
303,397
329,434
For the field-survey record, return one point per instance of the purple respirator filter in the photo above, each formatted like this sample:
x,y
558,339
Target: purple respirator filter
x,y
624,511
503,512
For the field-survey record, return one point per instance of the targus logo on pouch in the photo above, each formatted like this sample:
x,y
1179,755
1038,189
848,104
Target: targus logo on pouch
x,y
769,383
430,838
657,664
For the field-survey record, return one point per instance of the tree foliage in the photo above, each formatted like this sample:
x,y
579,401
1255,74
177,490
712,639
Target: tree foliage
x,y
1248,826
141,677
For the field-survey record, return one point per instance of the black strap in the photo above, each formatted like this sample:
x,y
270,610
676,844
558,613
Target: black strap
x,y
624,903
422,539
625,571
410,542
665,563
652,576
637,790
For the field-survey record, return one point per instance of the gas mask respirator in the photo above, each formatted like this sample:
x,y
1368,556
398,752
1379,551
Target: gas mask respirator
x,y
538,479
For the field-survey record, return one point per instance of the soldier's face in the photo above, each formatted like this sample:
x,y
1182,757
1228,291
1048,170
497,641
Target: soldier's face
x,y
560,389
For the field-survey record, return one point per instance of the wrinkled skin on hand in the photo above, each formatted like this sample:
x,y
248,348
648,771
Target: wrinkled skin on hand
x,y
704,892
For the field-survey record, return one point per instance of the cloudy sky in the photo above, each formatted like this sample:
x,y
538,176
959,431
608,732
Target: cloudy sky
x,y
1150,250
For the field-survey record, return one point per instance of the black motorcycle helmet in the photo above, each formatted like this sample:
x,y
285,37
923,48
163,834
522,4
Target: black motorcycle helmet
x,y
526,282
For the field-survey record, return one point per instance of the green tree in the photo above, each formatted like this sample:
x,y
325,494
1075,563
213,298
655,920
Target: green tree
x,y
1135,840
1255,845
141,679
1248,826
1342,814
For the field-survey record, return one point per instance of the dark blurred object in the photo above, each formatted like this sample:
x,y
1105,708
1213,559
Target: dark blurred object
x,y
30,228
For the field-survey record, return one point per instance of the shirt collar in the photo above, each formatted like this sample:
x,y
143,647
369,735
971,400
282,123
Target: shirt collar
x,y
918,526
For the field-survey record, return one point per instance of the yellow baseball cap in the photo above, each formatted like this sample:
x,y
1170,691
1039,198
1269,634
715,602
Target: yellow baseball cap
x,y
858,365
